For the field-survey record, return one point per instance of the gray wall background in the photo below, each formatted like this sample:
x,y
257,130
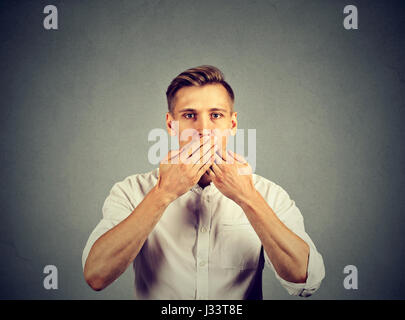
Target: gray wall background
x,y
77,105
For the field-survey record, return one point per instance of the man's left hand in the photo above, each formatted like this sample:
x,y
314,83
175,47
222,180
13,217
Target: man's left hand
x,y
232,175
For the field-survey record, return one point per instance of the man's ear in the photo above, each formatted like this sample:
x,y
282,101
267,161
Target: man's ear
x,y
171,124
234,123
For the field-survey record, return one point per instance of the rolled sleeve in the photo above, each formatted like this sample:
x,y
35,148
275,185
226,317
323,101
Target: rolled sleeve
x,y
290,215
315,275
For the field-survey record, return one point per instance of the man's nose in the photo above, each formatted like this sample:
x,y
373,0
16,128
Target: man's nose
x,y
204,125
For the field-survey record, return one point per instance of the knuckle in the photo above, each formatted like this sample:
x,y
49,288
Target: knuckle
x,y
190,175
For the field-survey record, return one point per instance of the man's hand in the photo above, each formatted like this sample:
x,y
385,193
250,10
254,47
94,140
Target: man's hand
x,y
232,175
181,169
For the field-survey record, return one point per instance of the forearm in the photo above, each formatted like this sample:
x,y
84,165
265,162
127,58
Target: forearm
x,y
288,253
111,254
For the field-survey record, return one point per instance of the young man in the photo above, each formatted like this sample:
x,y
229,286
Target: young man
x,y
198,227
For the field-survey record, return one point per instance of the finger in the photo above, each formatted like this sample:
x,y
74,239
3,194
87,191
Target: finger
x,y
225,157
210,172
245,170
220,161
206,154
172,156
206,147
205,166
192,147
214,167
237,157
189,145
208,158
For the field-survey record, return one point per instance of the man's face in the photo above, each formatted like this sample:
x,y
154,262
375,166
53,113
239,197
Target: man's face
x,y
206,109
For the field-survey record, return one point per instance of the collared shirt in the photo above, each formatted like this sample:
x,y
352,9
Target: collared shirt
x,y
204,247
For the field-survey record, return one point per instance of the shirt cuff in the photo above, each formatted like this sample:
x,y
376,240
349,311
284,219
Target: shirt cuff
x,y
315,275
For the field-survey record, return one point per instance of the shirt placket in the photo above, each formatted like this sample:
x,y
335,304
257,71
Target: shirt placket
x,y
203,237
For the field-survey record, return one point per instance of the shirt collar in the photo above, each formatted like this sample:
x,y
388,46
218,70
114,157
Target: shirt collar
x,y
210,189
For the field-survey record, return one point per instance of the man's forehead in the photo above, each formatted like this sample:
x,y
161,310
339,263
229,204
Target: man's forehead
x,y
203,108
206,97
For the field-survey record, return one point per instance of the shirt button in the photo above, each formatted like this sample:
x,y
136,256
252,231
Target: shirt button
x,y
202,263
203,229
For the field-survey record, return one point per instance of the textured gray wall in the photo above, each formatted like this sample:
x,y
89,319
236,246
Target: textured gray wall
x,y
77,105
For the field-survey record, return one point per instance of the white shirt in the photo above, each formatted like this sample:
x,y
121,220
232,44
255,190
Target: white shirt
x,y
204,247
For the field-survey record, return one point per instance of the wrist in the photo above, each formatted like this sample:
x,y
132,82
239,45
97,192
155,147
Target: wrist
x,y
247,201
162,196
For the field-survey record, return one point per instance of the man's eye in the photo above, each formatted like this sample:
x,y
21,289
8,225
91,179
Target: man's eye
x,y
216,115
188,115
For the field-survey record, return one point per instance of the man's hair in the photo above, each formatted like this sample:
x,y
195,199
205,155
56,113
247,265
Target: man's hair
x,y
198,76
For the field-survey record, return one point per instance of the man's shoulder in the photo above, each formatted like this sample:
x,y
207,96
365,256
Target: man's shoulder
x,y
139,180
150,176
262,182
269,189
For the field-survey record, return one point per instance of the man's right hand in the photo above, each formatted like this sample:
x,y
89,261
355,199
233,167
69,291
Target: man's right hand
x,y
181,169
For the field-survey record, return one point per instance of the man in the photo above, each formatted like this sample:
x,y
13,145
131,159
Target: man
x,y
201,226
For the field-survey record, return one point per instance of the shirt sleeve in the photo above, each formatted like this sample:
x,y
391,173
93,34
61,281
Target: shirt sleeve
x,y
118,205
290,215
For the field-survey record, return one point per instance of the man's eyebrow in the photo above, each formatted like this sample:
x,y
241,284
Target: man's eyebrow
x,y
211,109
186,109
218,109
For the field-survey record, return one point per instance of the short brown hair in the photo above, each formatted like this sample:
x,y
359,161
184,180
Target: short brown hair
x,y
198,76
